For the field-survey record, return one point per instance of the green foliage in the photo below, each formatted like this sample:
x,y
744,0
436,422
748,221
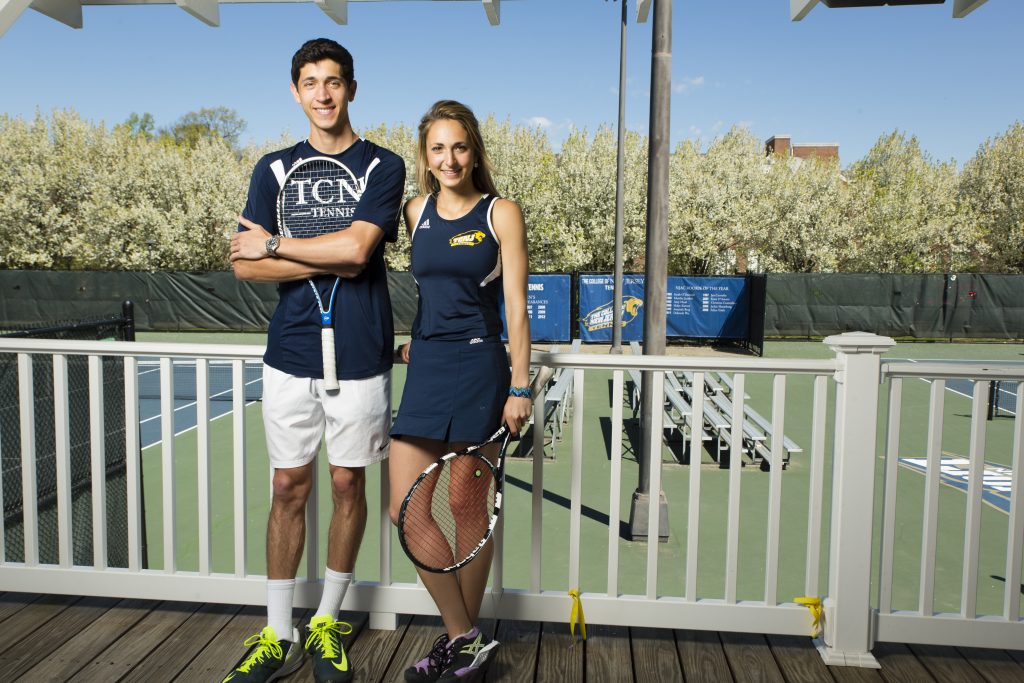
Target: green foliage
x,y
217,123
80,196
139,125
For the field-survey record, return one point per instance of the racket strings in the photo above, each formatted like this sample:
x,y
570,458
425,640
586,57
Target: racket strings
x,y
449,513
315,201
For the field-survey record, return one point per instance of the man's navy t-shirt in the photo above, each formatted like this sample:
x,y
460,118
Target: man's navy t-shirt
x,y
364,331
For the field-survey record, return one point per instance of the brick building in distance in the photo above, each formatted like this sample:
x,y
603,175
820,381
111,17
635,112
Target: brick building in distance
x,y
783,146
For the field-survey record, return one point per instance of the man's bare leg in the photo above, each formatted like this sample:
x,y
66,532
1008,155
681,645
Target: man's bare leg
x,y
344,536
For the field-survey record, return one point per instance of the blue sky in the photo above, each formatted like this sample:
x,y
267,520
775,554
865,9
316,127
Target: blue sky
x,y
843,76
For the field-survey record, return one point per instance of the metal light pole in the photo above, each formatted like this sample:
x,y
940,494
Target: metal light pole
x,y
620,166
656,271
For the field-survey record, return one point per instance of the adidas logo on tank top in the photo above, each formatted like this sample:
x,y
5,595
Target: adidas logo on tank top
x,y
425,225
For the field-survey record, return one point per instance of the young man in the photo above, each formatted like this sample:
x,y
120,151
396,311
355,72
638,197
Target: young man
x,y
297,410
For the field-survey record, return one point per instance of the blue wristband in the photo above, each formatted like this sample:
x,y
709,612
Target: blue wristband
x,y
520,392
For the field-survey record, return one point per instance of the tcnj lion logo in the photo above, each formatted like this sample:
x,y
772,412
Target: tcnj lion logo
x,y
470,238
602,317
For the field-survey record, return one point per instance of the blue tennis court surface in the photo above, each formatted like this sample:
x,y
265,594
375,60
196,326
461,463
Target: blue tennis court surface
x,y
1004,396
221,394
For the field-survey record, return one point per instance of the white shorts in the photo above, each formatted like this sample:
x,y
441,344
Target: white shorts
x,y
297,413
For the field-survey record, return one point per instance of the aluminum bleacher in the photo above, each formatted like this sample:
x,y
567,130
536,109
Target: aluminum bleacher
x,y
556,407
716,419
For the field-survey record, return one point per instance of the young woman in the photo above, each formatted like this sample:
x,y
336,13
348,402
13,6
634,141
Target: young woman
x,y
468,247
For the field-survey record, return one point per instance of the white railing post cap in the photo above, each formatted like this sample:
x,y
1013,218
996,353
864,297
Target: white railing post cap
x,y
859,342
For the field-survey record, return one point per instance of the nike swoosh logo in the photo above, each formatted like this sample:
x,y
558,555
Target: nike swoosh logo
x,y
344,663
384,445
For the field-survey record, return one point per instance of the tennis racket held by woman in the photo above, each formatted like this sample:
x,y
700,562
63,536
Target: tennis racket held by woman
x,y
453,506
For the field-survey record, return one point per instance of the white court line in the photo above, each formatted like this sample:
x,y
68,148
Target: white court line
x,y
189,405
212,396
948,388
966,395
195,426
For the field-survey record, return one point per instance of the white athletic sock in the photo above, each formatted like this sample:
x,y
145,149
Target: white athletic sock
x,y
280,593
335,586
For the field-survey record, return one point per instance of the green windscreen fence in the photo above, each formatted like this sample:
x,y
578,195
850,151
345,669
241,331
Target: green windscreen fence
x,y
164,302
118,328
925,306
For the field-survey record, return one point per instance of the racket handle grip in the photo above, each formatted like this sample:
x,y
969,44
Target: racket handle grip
x,y
330,370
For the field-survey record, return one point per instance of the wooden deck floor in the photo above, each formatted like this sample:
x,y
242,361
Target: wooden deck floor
x,y
64,638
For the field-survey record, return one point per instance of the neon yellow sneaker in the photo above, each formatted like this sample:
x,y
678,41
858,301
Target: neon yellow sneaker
x,y
268,658
323,643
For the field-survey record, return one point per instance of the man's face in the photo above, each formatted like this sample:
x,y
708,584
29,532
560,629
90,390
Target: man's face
x,y
324,95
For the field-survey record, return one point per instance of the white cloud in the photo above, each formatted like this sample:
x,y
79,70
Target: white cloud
x,y
687,84
539,121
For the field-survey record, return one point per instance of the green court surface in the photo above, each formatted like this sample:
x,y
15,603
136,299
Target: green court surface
x,y
595,499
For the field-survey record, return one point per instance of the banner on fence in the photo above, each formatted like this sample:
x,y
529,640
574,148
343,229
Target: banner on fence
x,y
547,304
707,307
922,306
595,307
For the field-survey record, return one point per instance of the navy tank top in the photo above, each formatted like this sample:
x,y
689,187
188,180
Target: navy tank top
x,y
457,267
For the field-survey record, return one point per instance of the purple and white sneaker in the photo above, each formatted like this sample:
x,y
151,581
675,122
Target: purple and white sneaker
x,y
468,655
429,669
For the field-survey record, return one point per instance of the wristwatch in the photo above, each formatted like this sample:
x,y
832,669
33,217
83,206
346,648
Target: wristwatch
x,y
272,244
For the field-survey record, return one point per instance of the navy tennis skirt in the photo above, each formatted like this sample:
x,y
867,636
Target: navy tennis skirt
x,y
455,391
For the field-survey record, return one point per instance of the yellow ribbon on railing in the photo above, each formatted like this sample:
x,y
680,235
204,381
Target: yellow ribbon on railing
x,y
577,615
813,604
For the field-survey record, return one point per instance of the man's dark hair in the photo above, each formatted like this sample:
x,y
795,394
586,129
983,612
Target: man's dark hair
x,y
318,49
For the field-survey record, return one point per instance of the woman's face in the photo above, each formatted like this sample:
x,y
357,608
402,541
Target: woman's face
x,y
449,156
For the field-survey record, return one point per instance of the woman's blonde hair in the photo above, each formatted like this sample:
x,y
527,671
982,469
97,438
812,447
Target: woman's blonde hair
x,y
454,111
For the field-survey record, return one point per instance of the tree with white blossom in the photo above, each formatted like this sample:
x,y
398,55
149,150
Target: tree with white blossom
x,y
82,196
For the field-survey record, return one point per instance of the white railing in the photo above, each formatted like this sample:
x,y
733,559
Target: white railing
x,y
729,564
921,621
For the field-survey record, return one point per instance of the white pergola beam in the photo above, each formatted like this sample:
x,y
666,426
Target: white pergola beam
x,y
206,11
493,9
335,9
961,8
10,10
67,12
798,9
643,8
